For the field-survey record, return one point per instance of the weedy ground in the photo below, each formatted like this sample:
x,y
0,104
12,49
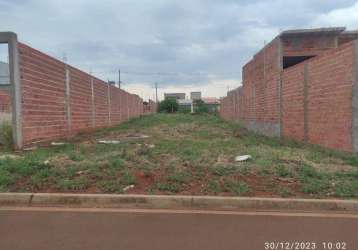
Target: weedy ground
x,y
183,154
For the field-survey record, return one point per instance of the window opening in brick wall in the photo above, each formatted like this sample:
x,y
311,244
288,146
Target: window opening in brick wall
x,y
5,97
289,61
4,64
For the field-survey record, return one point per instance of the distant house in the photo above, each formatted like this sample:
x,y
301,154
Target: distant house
x,y
185,105
195,96
176,96
4,73
212,103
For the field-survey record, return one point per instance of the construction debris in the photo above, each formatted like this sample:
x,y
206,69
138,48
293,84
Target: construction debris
x,y
109,142
58,143
149,145
137,136
127,188
243,157
30,148
8,156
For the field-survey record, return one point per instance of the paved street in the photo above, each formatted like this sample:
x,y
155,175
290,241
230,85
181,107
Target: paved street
x,y
91,229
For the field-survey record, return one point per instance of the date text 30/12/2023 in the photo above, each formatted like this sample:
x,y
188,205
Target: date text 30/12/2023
x,y
296,245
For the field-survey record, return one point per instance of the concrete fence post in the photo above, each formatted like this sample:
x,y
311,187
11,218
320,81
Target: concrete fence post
x,y
93,107
127,106
109,103
355,98
305,102
264,82
68,100
15,86
279,86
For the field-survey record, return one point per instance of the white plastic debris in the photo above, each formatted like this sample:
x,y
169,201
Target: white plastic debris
x,y
127,188
137,136
57,143
30,148
150,145
8,156
243,157
47,162
109,142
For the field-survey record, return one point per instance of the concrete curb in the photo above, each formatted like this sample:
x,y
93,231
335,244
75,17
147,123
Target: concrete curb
x,y
176,202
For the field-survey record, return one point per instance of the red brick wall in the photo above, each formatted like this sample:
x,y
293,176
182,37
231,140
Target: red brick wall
x,y
346,37
293,102
308,45
81,100
260,86
5,102
329,81
226,108
329,108
101,103
115,108
257,101
43,96
44,110
151,107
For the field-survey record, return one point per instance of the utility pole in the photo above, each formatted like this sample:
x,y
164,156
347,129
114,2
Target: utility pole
x,y
156,92
119,78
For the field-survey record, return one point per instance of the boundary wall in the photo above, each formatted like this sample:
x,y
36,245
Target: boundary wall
x,y
51,100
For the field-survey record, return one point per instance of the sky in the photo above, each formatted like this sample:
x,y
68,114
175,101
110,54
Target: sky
x,y
183,45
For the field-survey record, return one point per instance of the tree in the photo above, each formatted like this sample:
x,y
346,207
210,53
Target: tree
x,y
200,106
169,105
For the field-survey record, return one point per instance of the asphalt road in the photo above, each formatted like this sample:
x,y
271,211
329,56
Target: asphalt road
x,y
91,229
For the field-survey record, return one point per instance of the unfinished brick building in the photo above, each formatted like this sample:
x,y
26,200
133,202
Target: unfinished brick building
x,y
51,100
302,85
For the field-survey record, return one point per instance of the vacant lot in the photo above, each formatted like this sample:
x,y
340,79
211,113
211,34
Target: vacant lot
x,y
182,154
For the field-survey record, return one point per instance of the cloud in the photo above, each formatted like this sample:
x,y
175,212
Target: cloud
x,y
340,17
180,44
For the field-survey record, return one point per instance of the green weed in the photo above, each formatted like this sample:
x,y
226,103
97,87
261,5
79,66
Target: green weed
x,y
168,187
6,134
236,187
76,184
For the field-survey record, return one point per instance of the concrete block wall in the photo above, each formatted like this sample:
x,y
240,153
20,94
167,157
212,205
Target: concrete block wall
x,y
59,101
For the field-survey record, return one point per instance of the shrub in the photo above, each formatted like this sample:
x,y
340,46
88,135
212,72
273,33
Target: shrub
x,y
200,106
184,110
6,134
169,105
